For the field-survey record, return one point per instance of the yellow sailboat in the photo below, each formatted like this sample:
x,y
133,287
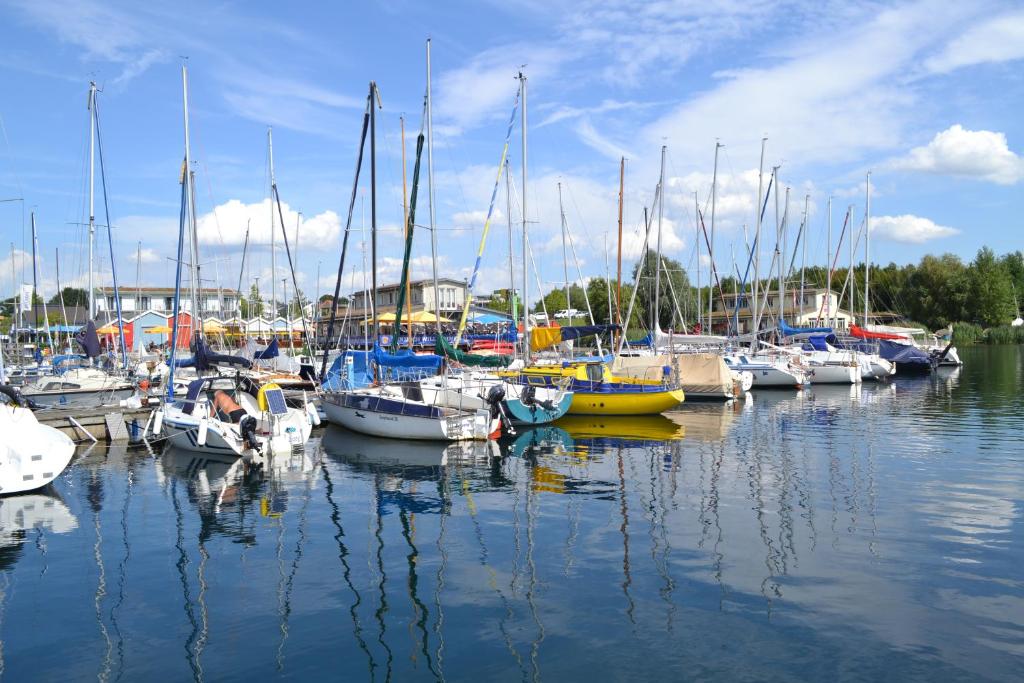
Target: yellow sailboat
x,y
596,391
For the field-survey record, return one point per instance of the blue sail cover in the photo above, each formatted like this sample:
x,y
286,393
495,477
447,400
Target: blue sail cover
x,y
577,331
405,359
788,331
271,351
88,340
358,376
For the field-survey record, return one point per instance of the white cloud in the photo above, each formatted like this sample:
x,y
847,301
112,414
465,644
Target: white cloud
x,y
837,98
149,256
999,39
227,224
591,138
909,229
485,86
957,151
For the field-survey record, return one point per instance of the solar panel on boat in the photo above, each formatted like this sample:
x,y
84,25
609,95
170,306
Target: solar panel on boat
x,y
275,401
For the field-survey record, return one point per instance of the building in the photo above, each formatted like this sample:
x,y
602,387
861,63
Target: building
x,y
817,306
216,302
451,296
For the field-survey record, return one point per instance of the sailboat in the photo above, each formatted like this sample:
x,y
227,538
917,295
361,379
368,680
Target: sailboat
x,y
400,410
222,414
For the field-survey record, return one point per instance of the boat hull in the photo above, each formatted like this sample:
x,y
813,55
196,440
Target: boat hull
x,y
80,398
353,413
627,403
834,374
32,455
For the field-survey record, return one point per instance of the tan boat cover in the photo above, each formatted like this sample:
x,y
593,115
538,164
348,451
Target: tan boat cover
x,y
698,373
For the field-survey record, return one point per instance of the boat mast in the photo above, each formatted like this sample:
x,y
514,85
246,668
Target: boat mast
x,y
851,275
618,276
373,204
430,195
35,275
781,247
829,313
803,256
405,235
656,324
757,245
92,193
700,305
711,246
565,255
511,248
867,242
241,271
526,280
273,250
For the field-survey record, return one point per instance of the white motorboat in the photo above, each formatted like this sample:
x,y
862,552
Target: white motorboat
x,y
769,371
31,454
262,425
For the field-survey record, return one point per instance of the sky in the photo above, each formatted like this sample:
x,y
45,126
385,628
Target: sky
x,y
926,96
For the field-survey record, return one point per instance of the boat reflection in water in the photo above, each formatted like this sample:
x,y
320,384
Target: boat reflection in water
x,y
362,449
709,421
653,428
42,510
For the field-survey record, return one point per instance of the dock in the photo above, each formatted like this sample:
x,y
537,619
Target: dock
x,y
106,423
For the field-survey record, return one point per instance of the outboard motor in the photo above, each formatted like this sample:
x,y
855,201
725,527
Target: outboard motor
x,y
247,428
495,396
529,395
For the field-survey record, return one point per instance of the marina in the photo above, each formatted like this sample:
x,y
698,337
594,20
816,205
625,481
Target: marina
x,y
592,341
791,528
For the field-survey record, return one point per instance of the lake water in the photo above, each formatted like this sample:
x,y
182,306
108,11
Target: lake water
x,y
839,533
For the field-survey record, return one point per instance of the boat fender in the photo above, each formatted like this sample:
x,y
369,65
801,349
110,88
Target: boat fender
x,y
158,422
314,417
204,426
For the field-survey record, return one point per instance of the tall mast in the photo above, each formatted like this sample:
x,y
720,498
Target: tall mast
x,y
373,203
828,266
656,324
35,274
138,276
241,271
803,258
565,255
273,250
782,258
405,235
700,306
711,245
618,272
757,241
867,241
189,180
430,194
526,279
511,247
60,292
851,275
92,193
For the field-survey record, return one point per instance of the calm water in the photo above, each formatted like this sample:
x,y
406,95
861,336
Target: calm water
x,y
867,533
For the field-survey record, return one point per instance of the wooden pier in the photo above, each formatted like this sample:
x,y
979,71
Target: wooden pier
x,y
107,423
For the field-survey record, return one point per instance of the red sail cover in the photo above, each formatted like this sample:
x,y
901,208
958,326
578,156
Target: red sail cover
x,y
857,331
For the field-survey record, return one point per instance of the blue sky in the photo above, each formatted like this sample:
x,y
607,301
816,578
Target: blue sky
x,y
926,95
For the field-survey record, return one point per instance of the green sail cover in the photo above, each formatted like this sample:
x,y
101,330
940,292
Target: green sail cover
x,y
443,348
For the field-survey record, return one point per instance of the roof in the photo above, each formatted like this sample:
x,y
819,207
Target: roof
x,y
167,291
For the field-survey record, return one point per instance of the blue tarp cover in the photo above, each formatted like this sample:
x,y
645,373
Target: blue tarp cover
x,y
575,332
270,352
788,331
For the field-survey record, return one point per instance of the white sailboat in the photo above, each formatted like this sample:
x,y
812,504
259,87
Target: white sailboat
x,y
32,455
221,414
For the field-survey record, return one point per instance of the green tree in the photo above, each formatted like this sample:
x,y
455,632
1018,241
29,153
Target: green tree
x,y
251,306
674,290
73,296
991,290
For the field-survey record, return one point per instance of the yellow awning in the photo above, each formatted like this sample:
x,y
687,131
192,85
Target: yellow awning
x,y
212,326
158,329
426,317
543,337
109,329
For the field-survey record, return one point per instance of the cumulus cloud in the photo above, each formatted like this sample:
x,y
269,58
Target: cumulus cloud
x,y
227,223
998,39
149,256
909,229
956,151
